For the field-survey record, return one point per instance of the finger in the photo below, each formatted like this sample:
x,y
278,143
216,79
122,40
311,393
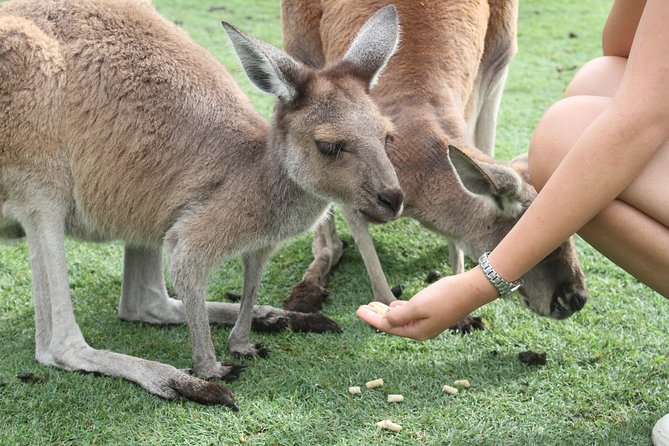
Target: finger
x,y
378,321
381,323
397,303
402,314
367,314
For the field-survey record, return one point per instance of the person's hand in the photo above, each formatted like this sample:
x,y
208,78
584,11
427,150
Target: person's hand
x,y
434,308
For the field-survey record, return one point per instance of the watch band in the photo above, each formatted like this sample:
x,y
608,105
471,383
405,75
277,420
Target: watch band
x,y
504,287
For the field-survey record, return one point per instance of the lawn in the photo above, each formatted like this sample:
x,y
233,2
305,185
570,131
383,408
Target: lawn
x,y
605,382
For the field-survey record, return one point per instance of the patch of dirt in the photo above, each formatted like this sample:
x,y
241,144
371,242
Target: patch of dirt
x,y
31,378
532,358
468,325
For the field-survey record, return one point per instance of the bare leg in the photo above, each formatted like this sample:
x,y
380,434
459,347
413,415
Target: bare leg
x,y
635,241
634,230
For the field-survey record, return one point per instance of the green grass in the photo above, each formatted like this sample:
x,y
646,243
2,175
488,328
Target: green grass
x,y
605,383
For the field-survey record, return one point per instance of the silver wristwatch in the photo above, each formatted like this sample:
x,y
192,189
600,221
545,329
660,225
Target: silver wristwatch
x,y
503,287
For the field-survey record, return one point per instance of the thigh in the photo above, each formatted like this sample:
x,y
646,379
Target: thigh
x,y
648,192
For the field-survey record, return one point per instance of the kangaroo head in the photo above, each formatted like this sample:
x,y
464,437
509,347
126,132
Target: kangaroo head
x,y
556,286
328,135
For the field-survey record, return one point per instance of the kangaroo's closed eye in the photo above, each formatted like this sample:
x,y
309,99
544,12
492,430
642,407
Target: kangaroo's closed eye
x,y
330,148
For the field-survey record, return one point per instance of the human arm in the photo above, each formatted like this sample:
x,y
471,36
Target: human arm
x,y
621,26
609,155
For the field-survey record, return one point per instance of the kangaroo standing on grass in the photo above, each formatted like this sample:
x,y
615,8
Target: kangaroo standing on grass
x,y
442,89
115,125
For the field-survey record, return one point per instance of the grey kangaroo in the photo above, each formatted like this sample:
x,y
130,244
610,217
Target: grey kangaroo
x,y
114,125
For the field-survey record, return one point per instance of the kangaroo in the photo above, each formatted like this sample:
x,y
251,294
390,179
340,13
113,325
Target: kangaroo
x,y
115,125
442,90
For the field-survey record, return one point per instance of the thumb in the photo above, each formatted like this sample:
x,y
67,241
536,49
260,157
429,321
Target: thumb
x,y
399,315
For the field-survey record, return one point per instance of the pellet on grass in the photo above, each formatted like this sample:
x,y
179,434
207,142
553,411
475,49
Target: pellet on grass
x,y
374,383
389,425
354,390
395,398
449,389
532,358
461,383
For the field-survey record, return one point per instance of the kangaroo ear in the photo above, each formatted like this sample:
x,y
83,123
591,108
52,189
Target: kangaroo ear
x,y
374,44
497,181
269,68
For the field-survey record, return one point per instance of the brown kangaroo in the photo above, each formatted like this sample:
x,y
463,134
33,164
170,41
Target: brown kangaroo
x,y
115,125
441,89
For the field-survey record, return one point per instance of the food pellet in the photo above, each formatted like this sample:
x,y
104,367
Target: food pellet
x,y
461,383
354,390
374,383
449,389
395,398
378,307
389,425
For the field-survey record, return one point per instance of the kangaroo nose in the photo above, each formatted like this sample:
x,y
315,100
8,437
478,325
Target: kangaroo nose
x,y
578,299
392,199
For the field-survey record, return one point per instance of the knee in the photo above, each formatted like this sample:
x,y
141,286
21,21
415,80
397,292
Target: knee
x,y
598,77
558,130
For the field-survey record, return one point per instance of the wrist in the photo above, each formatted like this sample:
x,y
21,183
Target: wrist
x,y
503,286
484,291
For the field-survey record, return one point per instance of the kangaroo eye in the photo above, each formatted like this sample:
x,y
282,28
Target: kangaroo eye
x,y
389,138
330,148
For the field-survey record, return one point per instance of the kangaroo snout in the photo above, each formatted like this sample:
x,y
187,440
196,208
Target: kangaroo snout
x,y
566,303
392,199
384,206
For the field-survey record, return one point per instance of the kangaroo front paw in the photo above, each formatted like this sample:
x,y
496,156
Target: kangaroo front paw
x,y
249,351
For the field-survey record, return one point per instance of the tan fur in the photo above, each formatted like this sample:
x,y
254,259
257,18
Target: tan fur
x,y
442,88
115,125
